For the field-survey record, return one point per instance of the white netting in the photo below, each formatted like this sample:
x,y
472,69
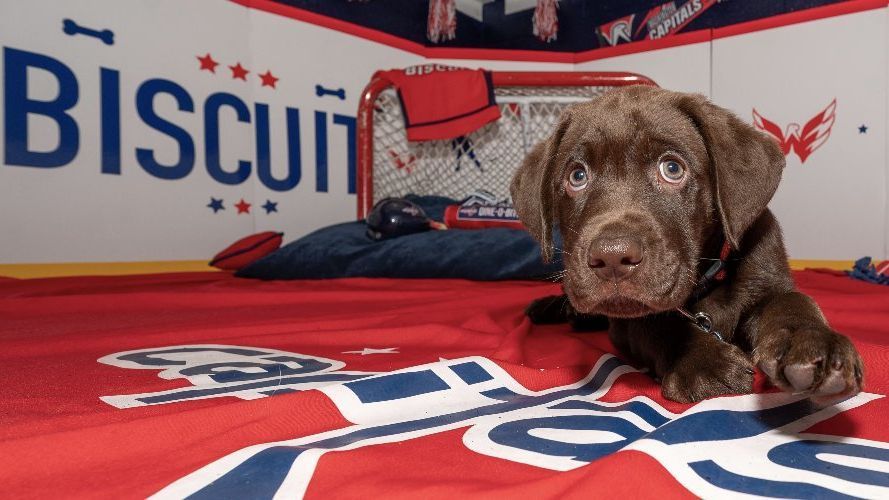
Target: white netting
x,y
484,159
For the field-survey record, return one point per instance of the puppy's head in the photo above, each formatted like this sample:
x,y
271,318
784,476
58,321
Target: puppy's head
x,y
639,181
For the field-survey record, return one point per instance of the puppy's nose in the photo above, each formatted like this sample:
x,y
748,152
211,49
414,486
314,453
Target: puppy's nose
x,y
614,258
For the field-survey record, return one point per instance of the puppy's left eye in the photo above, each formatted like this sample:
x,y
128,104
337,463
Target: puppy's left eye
x,y
578,179
671,170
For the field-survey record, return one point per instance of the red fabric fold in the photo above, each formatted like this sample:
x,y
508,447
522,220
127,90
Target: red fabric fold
x,y
443,102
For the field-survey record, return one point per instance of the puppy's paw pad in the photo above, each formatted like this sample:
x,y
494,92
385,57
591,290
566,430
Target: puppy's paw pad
x,y
833,383
800,375
816,360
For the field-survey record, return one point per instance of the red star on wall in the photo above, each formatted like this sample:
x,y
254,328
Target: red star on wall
x,y
239,71
243,207
207,63
268,79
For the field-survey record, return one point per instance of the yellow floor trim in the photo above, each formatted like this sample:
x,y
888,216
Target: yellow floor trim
x,y
839,265
101,268
175,266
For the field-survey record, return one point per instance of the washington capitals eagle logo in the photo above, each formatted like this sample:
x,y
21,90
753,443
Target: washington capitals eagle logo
x,y
617,30
803,142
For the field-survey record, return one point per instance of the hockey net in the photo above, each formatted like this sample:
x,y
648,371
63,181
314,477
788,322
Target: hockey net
x,y
530,105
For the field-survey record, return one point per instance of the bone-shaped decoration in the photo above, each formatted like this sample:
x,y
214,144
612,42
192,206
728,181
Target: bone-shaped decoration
x,y
323,91
71,28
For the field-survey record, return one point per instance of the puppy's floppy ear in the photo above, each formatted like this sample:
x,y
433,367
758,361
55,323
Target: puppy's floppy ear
x,y
533,188
745,164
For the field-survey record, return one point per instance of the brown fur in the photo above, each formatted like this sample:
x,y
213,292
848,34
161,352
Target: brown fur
x,y
732,171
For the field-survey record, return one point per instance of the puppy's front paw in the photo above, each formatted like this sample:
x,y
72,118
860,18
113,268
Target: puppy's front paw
x,y
717,370
812,359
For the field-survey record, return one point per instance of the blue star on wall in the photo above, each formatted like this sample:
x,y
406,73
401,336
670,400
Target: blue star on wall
x,y
270,206
862,129
215,204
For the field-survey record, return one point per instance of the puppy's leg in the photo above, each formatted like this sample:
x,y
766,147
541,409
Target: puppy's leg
x,y
588,323
555,309
549,310
799,352
708,368
691,364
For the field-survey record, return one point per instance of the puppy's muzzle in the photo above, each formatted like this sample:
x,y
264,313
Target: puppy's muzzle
x,y
613,258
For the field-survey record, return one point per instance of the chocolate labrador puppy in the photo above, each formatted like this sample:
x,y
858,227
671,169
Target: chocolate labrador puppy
x,y
660,198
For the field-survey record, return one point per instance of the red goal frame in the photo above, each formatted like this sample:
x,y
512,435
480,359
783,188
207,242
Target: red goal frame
x,y
365,133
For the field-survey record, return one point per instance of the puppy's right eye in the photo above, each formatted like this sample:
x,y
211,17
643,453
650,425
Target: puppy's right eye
x,y
577,179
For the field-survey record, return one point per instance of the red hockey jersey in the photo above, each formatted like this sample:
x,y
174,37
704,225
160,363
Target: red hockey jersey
x,y
210,386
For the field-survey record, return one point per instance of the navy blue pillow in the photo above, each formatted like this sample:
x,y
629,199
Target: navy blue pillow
x,y
343,250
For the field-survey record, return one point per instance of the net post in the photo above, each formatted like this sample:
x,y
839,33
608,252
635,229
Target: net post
x,y
567,79
365,143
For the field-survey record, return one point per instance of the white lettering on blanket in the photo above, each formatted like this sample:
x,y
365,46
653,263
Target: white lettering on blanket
x,y
226,370
741,445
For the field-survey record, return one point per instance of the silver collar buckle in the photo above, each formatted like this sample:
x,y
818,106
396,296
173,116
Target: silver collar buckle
x,y
702,321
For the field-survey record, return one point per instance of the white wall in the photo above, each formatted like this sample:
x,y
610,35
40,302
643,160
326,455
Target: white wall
x,y
833,206
685,68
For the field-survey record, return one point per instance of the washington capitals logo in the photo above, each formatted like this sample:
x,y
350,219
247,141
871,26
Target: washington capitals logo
x,y
803,141
617,30
225,370
402,161
668,18
753,445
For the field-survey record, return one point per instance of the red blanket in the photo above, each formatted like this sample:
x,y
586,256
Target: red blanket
x,y
202,384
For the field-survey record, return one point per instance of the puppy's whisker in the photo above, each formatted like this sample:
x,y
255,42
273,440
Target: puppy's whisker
x,y
686,279
555,277
563,309
690,276
560,250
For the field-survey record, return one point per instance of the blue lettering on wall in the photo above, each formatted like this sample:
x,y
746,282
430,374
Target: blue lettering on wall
x,y
145,106
110,109
211,137
320,151
18,106
263,153
351,140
